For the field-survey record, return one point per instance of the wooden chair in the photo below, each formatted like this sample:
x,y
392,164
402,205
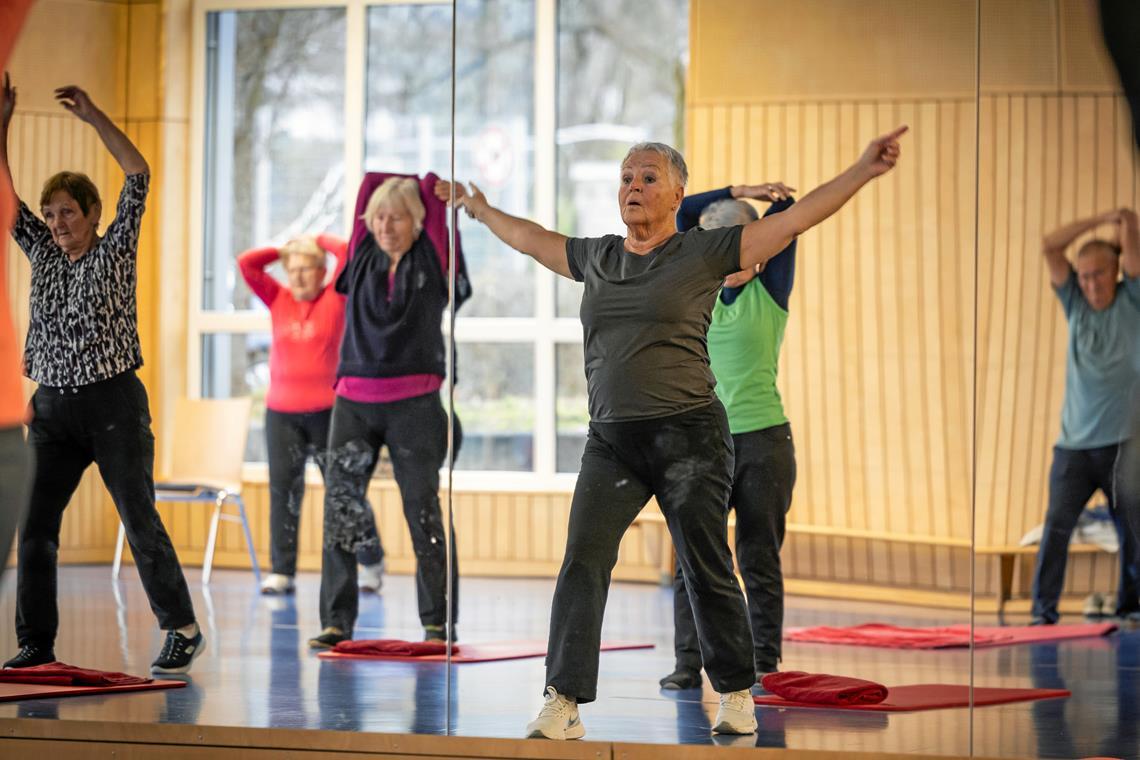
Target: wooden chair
x,y
208,453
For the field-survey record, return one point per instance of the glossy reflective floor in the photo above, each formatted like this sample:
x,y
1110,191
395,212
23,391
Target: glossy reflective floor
x,y
257,672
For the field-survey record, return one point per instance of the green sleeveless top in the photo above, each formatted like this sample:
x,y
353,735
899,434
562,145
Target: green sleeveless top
x,y
744,350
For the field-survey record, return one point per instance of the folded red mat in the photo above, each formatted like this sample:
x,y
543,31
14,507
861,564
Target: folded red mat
x,y
823,689
62,674
396,647
930,696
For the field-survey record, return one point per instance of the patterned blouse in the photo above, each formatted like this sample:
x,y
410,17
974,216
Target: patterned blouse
x,y
84,320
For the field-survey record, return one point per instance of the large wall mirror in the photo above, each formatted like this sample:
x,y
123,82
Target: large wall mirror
x,y
1058,191
875,377
929,396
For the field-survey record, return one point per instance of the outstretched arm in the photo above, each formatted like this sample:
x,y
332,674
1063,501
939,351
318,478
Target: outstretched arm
x,y
118,144
546,247
1054,244
764,238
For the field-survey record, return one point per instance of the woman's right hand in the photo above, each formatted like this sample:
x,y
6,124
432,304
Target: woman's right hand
x,y
9,104
472,200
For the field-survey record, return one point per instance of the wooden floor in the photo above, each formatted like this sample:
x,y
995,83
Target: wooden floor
x,y
257,692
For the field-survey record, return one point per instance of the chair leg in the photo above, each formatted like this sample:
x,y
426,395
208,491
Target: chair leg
x,y
118,563
248,540
208,560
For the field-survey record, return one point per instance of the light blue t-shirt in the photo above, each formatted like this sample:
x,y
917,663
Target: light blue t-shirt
x,y
1100,366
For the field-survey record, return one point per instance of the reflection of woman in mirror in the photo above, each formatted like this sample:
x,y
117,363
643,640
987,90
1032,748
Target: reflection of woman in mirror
x,y
392,365
308,322
657,428
83,349
1103,313
747,330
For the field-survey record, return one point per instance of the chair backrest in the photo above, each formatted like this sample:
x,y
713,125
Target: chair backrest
x,y
209,441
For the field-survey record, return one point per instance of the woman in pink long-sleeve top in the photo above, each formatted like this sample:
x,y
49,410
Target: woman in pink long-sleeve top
x,y
308,322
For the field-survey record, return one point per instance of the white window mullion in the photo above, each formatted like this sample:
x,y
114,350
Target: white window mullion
x,y
355,61
545,207
196,205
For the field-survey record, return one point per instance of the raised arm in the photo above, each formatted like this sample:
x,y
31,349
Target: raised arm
x,y
1054,244
118,144
252,265
689,215
1129,243
546,247
766,237
7,108
338,248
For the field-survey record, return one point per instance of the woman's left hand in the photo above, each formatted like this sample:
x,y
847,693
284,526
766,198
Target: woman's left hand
x,y
883,152
77,101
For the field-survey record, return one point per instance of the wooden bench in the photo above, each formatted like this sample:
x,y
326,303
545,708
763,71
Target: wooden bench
x,y
1007,560
661,547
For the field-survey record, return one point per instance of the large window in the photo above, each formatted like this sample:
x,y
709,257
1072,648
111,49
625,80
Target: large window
x,y
549,94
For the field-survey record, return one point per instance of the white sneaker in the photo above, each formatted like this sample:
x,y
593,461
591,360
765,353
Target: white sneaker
x,y
275,583
370,578
1094,606
558,719
737,713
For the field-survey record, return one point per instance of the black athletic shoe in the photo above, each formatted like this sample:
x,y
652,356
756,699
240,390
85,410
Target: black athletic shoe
x,y
178,652
328,638
31,654
680,680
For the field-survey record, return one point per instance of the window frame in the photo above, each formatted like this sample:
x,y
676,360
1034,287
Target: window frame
x,y
543,330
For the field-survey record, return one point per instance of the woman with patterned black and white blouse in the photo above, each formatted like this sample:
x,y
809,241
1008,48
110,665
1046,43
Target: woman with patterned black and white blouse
x,y
83,349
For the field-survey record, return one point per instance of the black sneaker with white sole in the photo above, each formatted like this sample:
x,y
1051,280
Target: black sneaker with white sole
x,y
30,655
178,652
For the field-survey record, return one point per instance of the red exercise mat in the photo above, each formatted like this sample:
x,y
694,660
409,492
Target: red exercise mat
x,y
929,696
823,689
945,637
12,692
62,674
394,647
487,651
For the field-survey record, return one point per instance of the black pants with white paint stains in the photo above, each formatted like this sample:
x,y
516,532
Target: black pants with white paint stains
x,y
686,461
415,432
291,439
763,478
107,423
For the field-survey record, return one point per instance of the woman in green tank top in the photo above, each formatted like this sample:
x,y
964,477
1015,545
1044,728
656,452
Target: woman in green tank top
x,y
744,342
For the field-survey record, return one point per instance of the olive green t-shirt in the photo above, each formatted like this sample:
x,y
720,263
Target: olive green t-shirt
x,y
645,319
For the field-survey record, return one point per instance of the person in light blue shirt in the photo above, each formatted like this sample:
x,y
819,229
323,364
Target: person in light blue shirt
x,y
1103,312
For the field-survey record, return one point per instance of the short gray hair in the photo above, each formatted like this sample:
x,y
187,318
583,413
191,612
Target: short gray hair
x,y
674,158
1098,244
727,212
